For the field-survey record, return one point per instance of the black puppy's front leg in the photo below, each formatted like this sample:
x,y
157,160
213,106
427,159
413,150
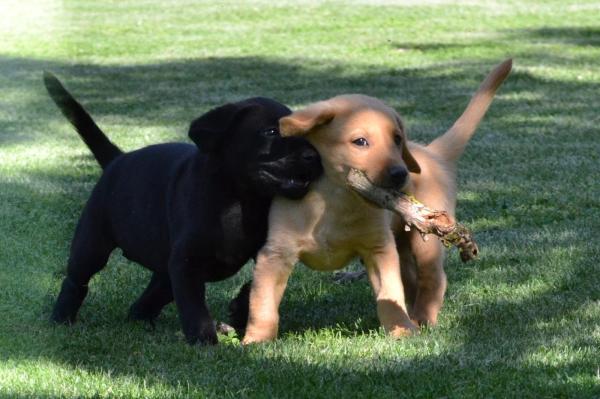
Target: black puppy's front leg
x,y
153,299
189,292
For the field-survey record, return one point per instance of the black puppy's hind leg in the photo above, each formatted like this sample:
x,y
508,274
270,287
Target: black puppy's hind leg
x,y
90,250
154,298
239,308
189,292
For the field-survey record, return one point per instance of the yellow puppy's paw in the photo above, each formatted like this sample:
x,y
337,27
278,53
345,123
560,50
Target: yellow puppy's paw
x,y
424,317
403,331
253,339
394,319
256,334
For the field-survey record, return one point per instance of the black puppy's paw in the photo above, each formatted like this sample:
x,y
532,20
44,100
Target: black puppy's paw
x,y
62,316
239,308
136,316
204,333
68,302
207,335
139,313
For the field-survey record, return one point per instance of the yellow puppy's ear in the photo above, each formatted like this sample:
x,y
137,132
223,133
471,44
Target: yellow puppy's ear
x,y
302,122
410,161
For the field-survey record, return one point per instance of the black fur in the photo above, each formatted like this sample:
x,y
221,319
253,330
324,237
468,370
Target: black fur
x,y
239,308
104,151
191,214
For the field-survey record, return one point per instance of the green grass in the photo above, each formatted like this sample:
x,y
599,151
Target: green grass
x,y
523,321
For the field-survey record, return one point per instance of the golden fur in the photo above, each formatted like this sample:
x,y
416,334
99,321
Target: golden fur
x,y
332,224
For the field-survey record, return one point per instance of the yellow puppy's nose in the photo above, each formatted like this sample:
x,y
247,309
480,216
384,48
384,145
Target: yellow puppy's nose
x,y
398,175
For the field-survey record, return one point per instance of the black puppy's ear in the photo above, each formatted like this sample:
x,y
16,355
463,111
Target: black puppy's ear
x,y
209,130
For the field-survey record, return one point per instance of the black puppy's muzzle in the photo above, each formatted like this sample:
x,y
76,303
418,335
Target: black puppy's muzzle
x,y
292,157
296,168
298,165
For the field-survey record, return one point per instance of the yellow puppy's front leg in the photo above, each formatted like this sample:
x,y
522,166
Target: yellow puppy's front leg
x,y
270,278
383,268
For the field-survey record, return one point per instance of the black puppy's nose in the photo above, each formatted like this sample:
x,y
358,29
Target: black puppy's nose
x,y
398,175
309,155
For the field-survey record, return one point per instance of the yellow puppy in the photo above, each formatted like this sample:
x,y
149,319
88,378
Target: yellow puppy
x,y
332,224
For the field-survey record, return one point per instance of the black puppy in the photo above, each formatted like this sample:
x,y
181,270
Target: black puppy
x,y
191,214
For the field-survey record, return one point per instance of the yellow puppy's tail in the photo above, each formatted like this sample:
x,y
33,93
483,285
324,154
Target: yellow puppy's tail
x,y
451,144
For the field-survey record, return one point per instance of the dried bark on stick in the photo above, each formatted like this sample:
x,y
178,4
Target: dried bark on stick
x,y
425,220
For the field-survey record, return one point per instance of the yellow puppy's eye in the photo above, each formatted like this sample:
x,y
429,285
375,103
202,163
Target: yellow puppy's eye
x,y
361,142
397,139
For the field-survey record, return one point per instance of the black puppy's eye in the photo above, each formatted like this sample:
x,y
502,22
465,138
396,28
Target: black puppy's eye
x,y
397,139
270,132
361,142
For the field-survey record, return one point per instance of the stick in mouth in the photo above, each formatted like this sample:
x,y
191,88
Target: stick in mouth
x,y
424,220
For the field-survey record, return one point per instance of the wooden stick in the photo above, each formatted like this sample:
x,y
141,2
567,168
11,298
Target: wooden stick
x,y
425,220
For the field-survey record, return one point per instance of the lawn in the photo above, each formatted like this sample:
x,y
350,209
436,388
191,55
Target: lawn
x,y
522,321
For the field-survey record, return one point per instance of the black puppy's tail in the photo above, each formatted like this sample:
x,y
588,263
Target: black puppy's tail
x,y
239,308
104,151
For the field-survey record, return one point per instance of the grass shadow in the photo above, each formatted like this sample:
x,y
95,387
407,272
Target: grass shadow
x,y
574,35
